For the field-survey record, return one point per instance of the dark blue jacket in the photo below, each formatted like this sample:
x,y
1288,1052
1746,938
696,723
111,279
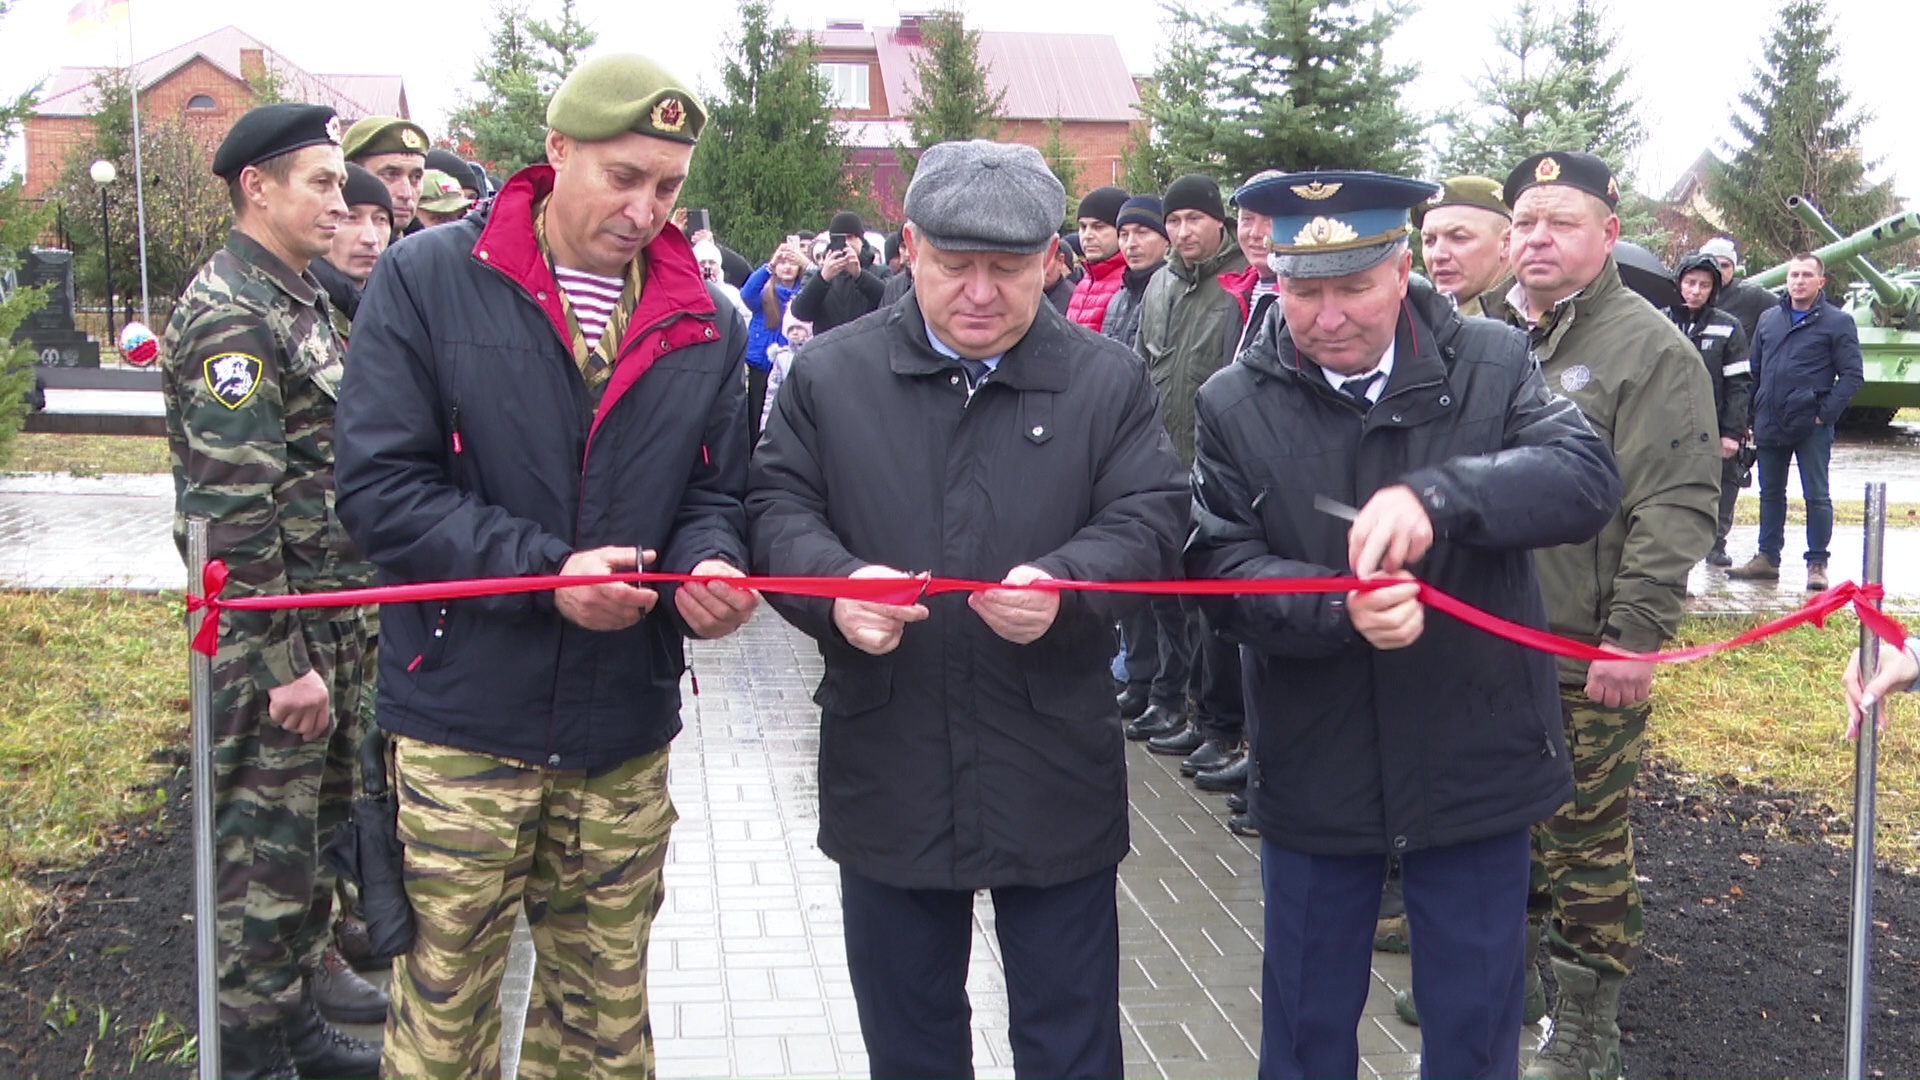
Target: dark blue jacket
x,y
468,447
1802,372
1458,737
753,293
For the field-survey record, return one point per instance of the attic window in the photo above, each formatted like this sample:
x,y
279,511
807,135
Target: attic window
x,y
202,101
847,85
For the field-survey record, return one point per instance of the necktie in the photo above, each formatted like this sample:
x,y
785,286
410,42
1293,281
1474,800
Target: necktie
x,y
1357,390
976,370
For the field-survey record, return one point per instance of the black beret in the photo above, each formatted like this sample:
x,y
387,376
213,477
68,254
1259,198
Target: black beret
x,y
271,130
450,163
1567,167
365,189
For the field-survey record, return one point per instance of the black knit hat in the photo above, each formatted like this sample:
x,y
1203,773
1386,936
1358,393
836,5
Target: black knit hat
x,y
364,188
1103,204
1194,192
846,221
450,163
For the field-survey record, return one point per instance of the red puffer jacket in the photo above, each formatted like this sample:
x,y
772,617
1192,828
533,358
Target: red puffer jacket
x,y
1088,305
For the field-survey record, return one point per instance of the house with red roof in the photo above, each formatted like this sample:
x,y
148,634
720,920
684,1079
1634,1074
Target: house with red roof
x,y
1079,80
209,81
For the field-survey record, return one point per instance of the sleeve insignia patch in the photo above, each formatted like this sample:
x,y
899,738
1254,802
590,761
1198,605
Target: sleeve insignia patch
x,y
233,377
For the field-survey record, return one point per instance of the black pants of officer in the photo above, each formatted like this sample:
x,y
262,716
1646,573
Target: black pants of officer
x,y
907,952
1175,629
1140,632
1729,493
1466,910
1223,701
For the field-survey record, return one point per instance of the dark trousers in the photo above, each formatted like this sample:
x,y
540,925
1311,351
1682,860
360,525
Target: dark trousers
x,y
1141,634
1813,454
1176,625
1466,914
907,952
756,401
1730,471
1223,702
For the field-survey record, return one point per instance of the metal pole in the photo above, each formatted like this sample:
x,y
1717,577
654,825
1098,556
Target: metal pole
x,y
106,262
139,173
205,930
1860,930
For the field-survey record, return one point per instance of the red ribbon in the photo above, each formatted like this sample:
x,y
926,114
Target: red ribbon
x,y
1864,599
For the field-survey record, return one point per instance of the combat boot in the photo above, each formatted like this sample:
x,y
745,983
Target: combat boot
x,y
255,1053
1585,1043
1758,568
1532,1007
341,994
321,1050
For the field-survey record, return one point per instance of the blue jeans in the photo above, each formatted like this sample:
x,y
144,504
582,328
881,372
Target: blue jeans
x,y
1813,452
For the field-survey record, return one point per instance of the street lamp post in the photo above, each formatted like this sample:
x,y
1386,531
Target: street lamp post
x,y
104,173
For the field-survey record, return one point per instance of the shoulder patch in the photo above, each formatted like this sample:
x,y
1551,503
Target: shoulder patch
x,y
1571,379
233,377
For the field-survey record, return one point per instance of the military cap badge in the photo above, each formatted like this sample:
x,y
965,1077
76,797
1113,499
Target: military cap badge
x,y
1324,230
1547,171
411,139
669,114
1317,190
232,378
333,129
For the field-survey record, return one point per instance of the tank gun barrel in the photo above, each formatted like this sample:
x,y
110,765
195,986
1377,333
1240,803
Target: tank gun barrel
x,y
1850,250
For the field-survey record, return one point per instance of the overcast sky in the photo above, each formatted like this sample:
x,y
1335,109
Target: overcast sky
x,y
1687,59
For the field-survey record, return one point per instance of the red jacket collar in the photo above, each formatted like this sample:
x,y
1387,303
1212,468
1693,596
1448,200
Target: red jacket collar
x,y
674,285
1110,266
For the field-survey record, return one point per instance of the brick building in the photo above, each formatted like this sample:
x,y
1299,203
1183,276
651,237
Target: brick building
x,y
1079,80
208,81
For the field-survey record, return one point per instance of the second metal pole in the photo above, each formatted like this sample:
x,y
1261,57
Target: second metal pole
x,y
1860,929
205,896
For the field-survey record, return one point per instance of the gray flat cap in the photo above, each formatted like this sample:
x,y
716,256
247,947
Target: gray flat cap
x,y
986,196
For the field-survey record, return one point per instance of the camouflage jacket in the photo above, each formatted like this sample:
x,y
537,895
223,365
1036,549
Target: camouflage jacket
x,y
250,371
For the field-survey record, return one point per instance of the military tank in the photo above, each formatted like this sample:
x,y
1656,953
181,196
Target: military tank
x,y
1885,306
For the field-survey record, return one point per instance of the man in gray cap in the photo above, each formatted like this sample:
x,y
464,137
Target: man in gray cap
x,y
546,386
972,742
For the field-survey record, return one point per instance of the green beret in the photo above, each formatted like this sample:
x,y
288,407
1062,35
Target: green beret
x,y
384,135
271,130
441,194
1480,192
609,96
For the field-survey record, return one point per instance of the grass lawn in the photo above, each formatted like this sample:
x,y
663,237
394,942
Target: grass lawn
x,y
92,684
1774,711
1850,511
87,455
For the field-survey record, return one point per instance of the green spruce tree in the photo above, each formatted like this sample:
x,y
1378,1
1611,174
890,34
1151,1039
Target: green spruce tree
x,y
954,99
1301,84
505,124
1586,44
1796,133
1523,104
1066,168
1177,136
770,161
21,223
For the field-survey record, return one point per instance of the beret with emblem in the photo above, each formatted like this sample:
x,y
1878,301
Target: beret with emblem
x,y
383,135
1570,168
1479,192
271,130
985,196
611,95
1330,224
441,193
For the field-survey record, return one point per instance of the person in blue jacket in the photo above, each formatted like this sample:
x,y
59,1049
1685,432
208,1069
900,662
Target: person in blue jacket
x,y
767,293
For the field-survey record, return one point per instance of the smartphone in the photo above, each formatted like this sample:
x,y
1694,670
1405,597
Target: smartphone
x,y
793,241
837,241
699,221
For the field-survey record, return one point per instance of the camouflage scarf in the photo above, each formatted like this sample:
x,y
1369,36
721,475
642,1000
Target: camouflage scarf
x,y
596,364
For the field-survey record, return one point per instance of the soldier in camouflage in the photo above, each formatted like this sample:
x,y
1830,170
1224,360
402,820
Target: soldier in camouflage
x,y
251,371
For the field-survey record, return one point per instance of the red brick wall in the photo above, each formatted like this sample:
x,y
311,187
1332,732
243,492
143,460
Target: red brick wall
x,y
1096,148
51,139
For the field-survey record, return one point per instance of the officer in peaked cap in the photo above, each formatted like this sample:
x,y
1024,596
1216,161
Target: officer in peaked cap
x,y
394,150
1463,239
1374,732
251,367
1055,466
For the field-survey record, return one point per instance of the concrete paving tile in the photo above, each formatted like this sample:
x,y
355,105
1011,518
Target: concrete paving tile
x,y
1168,1042
743,1009
1392,1066
703,1020
675,1067
812,1054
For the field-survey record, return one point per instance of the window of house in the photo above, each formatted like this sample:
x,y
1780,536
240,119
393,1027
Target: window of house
x,y
201,101
847,83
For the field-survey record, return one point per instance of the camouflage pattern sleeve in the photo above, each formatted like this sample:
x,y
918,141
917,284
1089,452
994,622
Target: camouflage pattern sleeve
x,y
227,432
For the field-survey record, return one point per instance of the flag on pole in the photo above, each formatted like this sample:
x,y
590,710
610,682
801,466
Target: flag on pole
x,y
90,15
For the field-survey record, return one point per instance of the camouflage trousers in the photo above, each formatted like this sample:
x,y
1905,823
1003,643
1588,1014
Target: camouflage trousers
x,y
276,800
1583,855
584,852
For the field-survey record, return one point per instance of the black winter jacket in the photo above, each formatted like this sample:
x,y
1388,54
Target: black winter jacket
x,y
1458,737
961,760
1723,346
830,304
467,448
1746,302
1804,373
1122,319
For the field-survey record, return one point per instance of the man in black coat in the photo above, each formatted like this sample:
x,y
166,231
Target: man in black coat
x,y
1723,348
847,284
972,743
1377,731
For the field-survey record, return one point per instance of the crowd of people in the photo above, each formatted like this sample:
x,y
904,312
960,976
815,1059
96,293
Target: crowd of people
x,y
393,371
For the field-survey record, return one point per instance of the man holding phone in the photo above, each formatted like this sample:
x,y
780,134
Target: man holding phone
x,y
846,284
